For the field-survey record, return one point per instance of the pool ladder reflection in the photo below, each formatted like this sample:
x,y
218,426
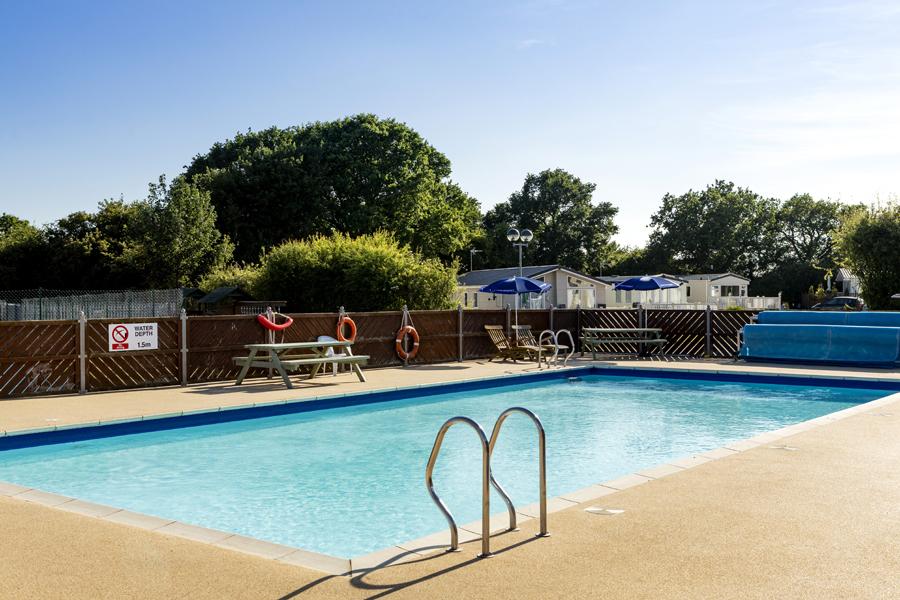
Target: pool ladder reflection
x,y
487,477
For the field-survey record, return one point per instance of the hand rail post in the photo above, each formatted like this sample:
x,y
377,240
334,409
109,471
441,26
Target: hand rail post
x,y
542,466
486,479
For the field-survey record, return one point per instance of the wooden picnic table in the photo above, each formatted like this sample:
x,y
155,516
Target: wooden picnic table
x,y
594,337
283,358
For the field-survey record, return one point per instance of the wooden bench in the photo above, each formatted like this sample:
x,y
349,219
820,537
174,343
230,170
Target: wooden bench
x,y
596,338
292,364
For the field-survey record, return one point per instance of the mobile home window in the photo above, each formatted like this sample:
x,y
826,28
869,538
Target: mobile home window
x,y
475,298
466,299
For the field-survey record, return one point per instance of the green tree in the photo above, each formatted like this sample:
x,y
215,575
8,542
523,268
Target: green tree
x,y
569,229
92,250
369,272
722,228
868,243
806,226
179,242
355,175
22,251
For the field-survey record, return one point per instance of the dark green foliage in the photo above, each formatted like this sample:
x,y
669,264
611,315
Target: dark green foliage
x,y
356,175
166,241
722,228
569,229
21,253
869,244
366,273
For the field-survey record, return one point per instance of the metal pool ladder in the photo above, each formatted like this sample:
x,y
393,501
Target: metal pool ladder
x,y
487,478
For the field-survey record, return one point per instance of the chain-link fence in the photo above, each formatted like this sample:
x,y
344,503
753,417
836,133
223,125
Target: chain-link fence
x,y
41,304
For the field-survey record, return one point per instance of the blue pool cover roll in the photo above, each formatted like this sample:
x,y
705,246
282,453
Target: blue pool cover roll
x,y
806,317
837,344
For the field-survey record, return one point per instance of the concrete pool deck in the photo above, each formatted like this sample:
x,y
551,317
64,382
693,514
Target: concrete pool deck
x,y
817,514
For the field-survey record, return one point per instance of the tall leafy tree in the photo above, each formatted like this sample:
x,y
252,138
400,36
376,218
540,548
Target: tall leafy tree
x,y
719,229
868,242
22,250
355,175
180,241
806,228
569,228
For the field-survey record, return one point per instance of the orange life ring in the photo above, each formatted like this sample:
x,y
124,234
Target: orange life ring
x,y
345,320
402,333
272,326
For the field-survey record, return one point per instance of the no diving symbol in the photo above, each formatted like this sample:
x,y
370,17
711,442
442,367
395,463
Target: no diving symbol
x,y
119,333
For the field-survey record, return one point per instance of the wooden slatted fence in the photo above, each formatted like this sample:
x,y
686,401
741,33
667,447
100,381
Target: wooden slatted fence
x,y
39,357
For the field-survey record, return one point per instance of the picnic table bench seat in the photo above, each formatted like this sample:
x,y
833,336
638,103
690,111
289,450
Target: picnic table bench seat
x,y
294,363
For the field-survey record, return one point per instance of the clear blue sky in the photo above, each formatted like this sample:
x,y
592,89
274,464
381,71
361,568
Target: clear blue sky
x,y
643,98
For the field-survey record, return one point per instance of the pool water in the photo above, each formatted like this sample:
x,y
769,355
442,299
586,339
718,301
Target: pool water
x,y
348,481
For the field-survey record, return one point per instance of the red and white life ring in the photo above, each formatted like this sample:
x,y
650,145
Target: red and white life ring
x,y
272,326
402,333
345,320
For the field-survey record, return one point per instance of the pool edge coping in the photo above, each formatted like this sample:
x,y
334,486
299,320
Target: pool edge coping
x,y
414,549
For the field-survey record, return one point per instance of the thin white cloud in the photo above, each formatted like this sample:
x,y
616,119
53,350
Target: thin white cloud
x,y
529,43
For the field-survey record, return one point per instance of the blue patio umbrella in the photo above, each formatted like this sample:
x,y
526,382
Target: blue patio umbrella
x,y
646,283
516,285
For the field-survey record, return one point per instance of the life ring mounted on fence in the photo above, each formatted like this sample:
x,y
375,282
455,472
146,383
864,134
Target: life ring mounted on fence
x,y
271,325
402,333
345,320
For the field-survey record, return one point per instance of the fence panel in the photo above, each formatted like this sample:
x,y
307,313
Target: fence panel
x,y
567,319
38,357
725,326
683,330
214,341
42,356
119,370
439,333
476,343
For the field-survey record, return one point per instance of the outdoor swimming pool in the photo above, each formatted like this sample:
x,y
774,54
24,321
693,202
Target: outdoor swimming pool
x,y
347,481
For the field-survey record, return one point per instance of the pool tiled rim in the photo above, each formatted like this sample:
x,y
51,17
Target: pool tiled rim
x,y
437,541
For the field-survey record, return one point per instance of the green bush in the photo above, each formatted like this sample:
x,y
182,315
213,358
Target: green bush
x,y
234,275
367,273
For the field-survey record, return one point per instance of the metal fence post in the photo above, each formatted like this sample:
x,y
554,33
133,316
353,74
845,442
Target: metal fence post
x,y
578,327
550,318
708,331
184,348
82,354
459,316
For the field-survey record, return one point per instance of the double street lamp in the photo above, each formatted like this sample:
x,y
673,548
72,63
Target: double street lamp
x,y
519,239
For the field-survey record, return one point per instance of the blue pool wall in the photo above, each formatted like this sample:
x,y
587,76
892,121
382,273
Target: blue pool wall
x,y
74,434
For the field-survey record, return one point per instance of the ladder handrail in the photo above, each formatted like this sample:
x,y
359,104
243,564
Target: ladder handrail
x,y
571,345
486,478
541,346
542,459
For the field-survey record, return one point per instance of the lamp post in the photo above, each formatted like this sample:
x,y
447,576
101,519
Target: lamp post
x,y
472,253
514,236
519,239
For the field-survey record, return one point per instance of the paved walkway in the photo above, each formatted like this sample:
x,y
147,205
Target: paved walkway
x,y
820,519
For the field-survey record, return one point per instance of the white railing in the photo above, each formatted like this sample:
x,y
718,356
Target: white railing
x,y
722,303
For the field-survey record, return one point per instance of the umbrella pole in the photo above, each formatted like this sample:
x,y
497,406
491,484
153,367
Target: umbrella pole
x,y
517,319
